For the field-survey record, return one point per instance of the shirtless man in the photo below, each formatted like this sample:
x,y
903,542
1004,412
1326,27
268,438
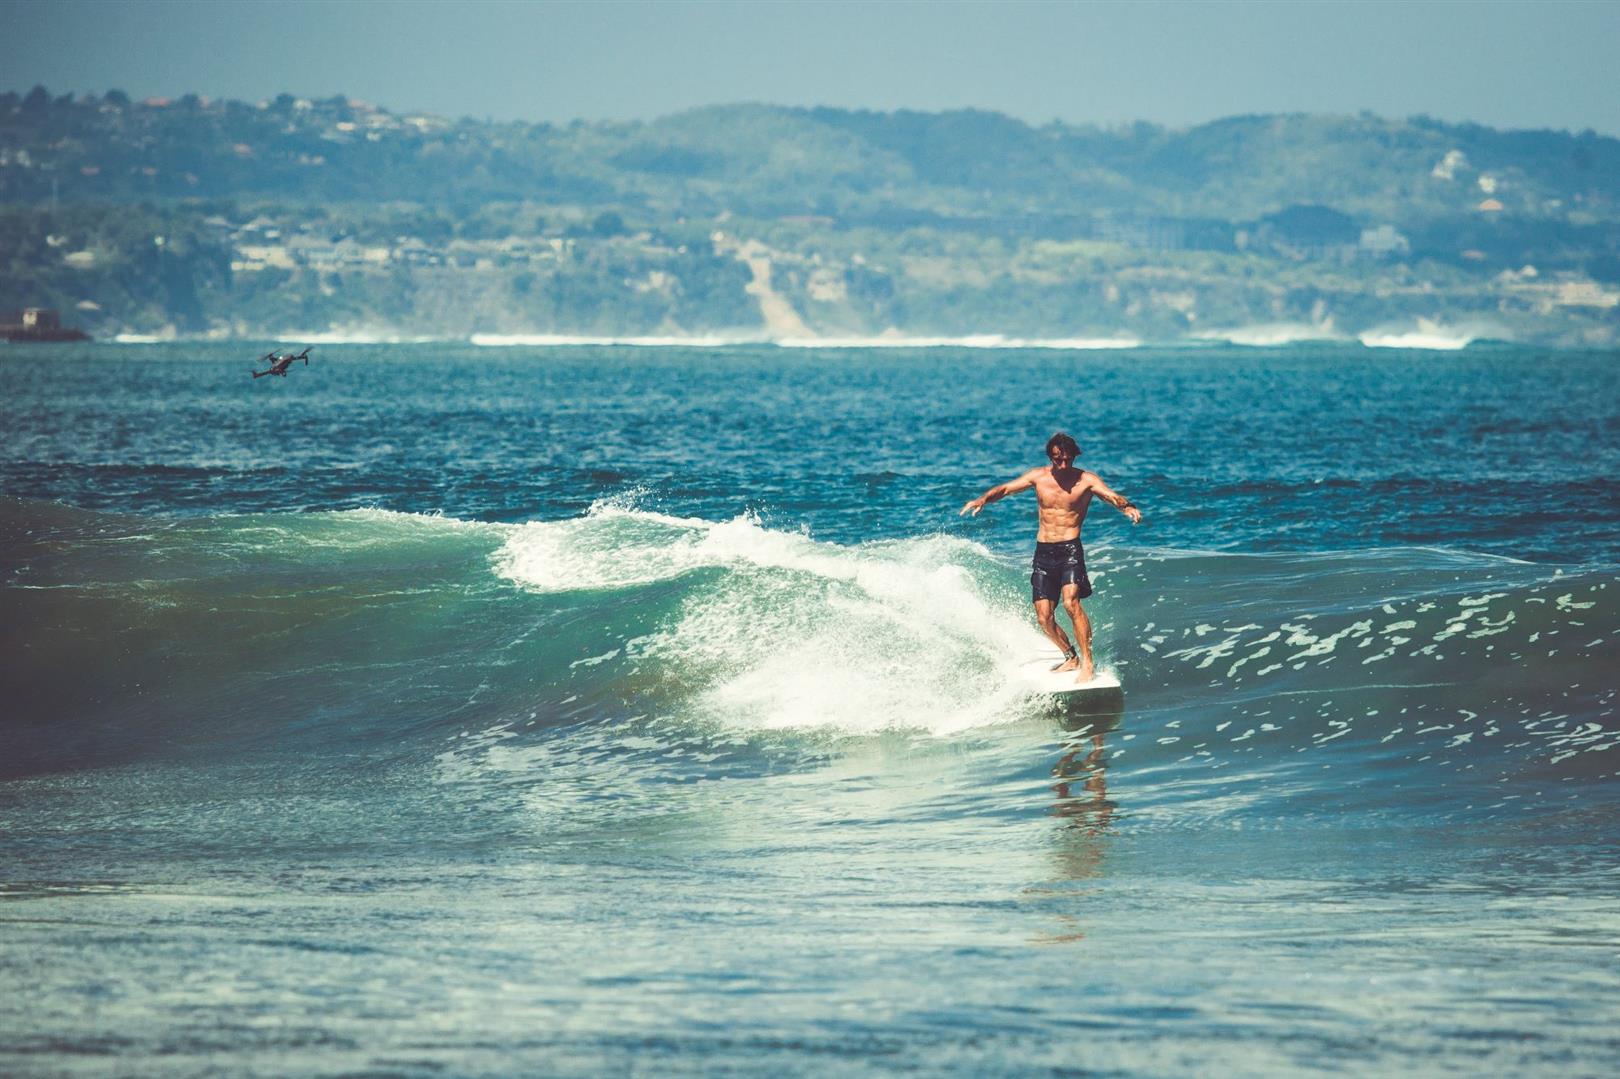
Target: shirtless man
x,y
1063,493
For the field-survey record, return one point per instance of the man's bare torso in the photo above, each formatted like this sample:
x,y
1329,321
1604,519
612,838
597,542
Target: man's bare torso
x,y
1063,497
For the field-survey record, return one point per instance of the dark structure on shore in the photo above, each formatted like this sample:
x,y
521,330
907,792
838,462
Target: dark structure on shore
x,y
38,324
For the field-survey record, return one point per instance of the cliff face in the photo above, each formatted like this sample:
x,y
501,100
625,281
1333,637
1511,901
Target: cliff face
x,y
225,217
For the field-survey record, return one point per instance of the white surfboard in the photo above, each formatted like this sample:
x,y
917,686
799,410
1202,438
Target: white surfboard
x,y
1039,676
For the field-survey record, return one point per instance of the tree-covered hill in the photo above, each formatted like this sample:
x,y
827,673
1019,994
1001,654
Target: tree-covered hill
x,y
856,209
769,160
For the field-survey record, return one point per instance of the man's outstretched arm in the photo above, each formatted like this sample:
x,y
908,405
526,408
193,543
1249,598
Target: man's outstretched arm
x,y
1115,499
998,492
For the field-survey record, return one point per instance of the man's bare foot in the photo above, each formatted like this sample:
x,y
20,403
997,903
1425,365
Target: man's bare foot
x,y
1069,664
1086,672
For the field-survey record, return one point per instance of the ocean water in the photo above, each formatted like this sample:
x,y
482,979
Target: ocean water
x,y
443,710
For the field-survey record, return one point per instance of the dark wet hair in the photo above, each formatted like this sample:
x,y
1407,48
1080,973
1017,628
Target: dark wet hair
x,y
1062,442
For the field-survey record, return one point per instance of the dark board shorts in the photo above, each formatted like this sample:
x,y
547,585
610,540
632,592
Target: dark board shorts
x,y
1056,565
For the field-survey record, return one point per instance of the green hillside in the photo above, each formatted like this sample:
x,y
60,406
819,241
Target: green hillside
x,y
197,216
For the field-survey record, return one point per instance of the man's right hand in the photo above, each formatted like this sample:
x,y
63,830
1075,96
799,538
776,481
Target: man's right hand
x,y
971,507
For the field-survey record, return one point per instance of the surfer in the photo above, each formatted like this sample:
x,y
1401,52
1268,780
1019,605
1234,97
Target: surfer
x,y
1063,493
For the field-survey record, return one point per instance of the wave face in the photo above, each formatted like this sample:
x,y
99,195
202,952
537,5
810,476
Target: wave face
x,y
1410,672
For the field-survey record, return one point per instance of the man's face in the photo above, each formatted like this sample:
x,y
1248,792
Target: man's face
x,y
1060,457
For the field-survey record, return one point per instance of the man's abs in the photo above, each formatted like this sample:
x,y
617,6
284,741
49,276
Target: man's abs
x,y
1061,513
1058,525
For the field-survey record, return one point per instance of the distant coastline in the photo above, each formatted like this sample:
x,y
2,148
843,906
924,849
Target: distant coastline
x,y
194,218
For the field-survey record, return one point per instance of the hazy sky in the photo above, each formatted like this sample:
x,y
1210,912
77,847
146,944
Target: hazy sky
x,y
1508,64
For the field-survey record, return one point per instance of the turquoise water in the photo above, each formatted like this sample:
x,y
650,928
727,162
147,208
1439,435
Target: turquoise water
x,y
442,710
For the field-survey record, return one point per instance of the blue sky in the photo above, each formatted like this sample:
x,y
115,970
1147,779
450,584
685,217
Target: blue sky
x,y
1507,63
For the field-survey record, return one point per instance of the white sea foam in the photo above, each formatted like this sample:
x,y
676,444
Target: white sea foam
x,y
610,547
798,633
1427,334
437,522
1438,342
361,529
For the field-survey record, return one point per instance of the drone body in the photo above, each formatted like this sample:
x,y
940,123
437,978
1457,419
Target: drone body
x,y
279,364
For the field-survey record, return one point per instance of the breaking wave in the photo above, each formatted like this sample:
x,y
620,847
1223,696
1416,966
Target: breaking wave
x,y
379,632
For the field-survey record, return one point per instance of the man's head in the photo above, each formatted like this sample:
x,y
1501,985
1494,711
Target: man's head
x,y
1061,450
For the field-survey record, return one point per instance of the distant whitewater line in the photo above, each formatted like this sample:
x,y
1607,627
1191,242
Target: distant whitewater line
x,y
1429,334
986,340
492,340
1426,336
1436,341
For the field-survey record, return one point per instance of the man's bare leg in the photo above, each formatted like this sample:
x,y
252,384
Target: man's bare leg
x,y
1082,632
1046,615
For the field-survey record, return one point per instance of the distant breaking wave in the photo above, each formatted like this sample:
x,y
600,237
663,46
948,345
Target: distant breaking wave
x,y
1427,336
1433,341
990,340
